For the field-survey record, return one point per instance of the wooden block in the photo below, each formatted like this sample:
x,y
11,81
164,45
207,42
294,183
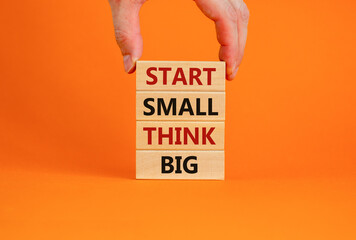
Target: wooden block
x,y
179,164
180,135
180,106
179,75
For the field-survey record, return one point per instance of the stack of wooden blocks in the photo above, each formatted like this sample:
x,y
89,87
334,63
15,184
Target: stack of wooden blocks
x,y
180,120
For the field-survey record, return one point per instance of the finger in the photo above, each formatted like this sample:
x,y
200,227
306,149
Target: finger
x,y
127,30
243,15
223,13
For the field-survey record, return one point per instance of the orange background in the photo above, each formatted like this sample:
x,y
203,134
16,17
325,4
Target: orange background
x,y
67,125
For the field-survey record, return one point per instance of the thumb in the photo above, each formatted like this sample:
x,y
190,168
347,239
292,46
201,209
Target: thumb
x,y
125,15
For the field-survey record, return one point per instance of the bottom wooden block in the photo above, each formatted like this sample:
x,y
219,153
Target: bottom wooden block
x,y
162,164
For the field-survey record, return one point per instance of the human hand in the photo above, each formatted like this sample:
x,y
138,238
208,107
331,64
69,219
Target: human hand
x,y
230,17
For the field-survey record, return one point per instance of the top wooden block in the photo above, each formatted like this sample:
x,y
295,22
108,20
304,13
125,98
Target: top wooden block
x,y
180,76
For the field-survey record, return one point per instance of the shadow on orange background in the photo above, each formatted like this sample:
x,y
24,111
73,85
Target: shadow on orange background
x,y
66,105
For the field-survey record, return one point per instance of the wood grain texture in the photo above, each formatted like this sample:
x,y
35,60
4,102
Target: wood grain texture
x,y
204,106
208,165
148,135
189,70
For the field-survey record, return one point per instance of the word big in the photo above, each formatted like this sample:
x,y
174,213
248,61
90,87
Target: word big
x,y
167,162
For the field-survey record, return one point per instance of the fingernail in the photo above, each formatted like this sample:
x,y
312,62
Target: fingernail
x,y
129,64
234,73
